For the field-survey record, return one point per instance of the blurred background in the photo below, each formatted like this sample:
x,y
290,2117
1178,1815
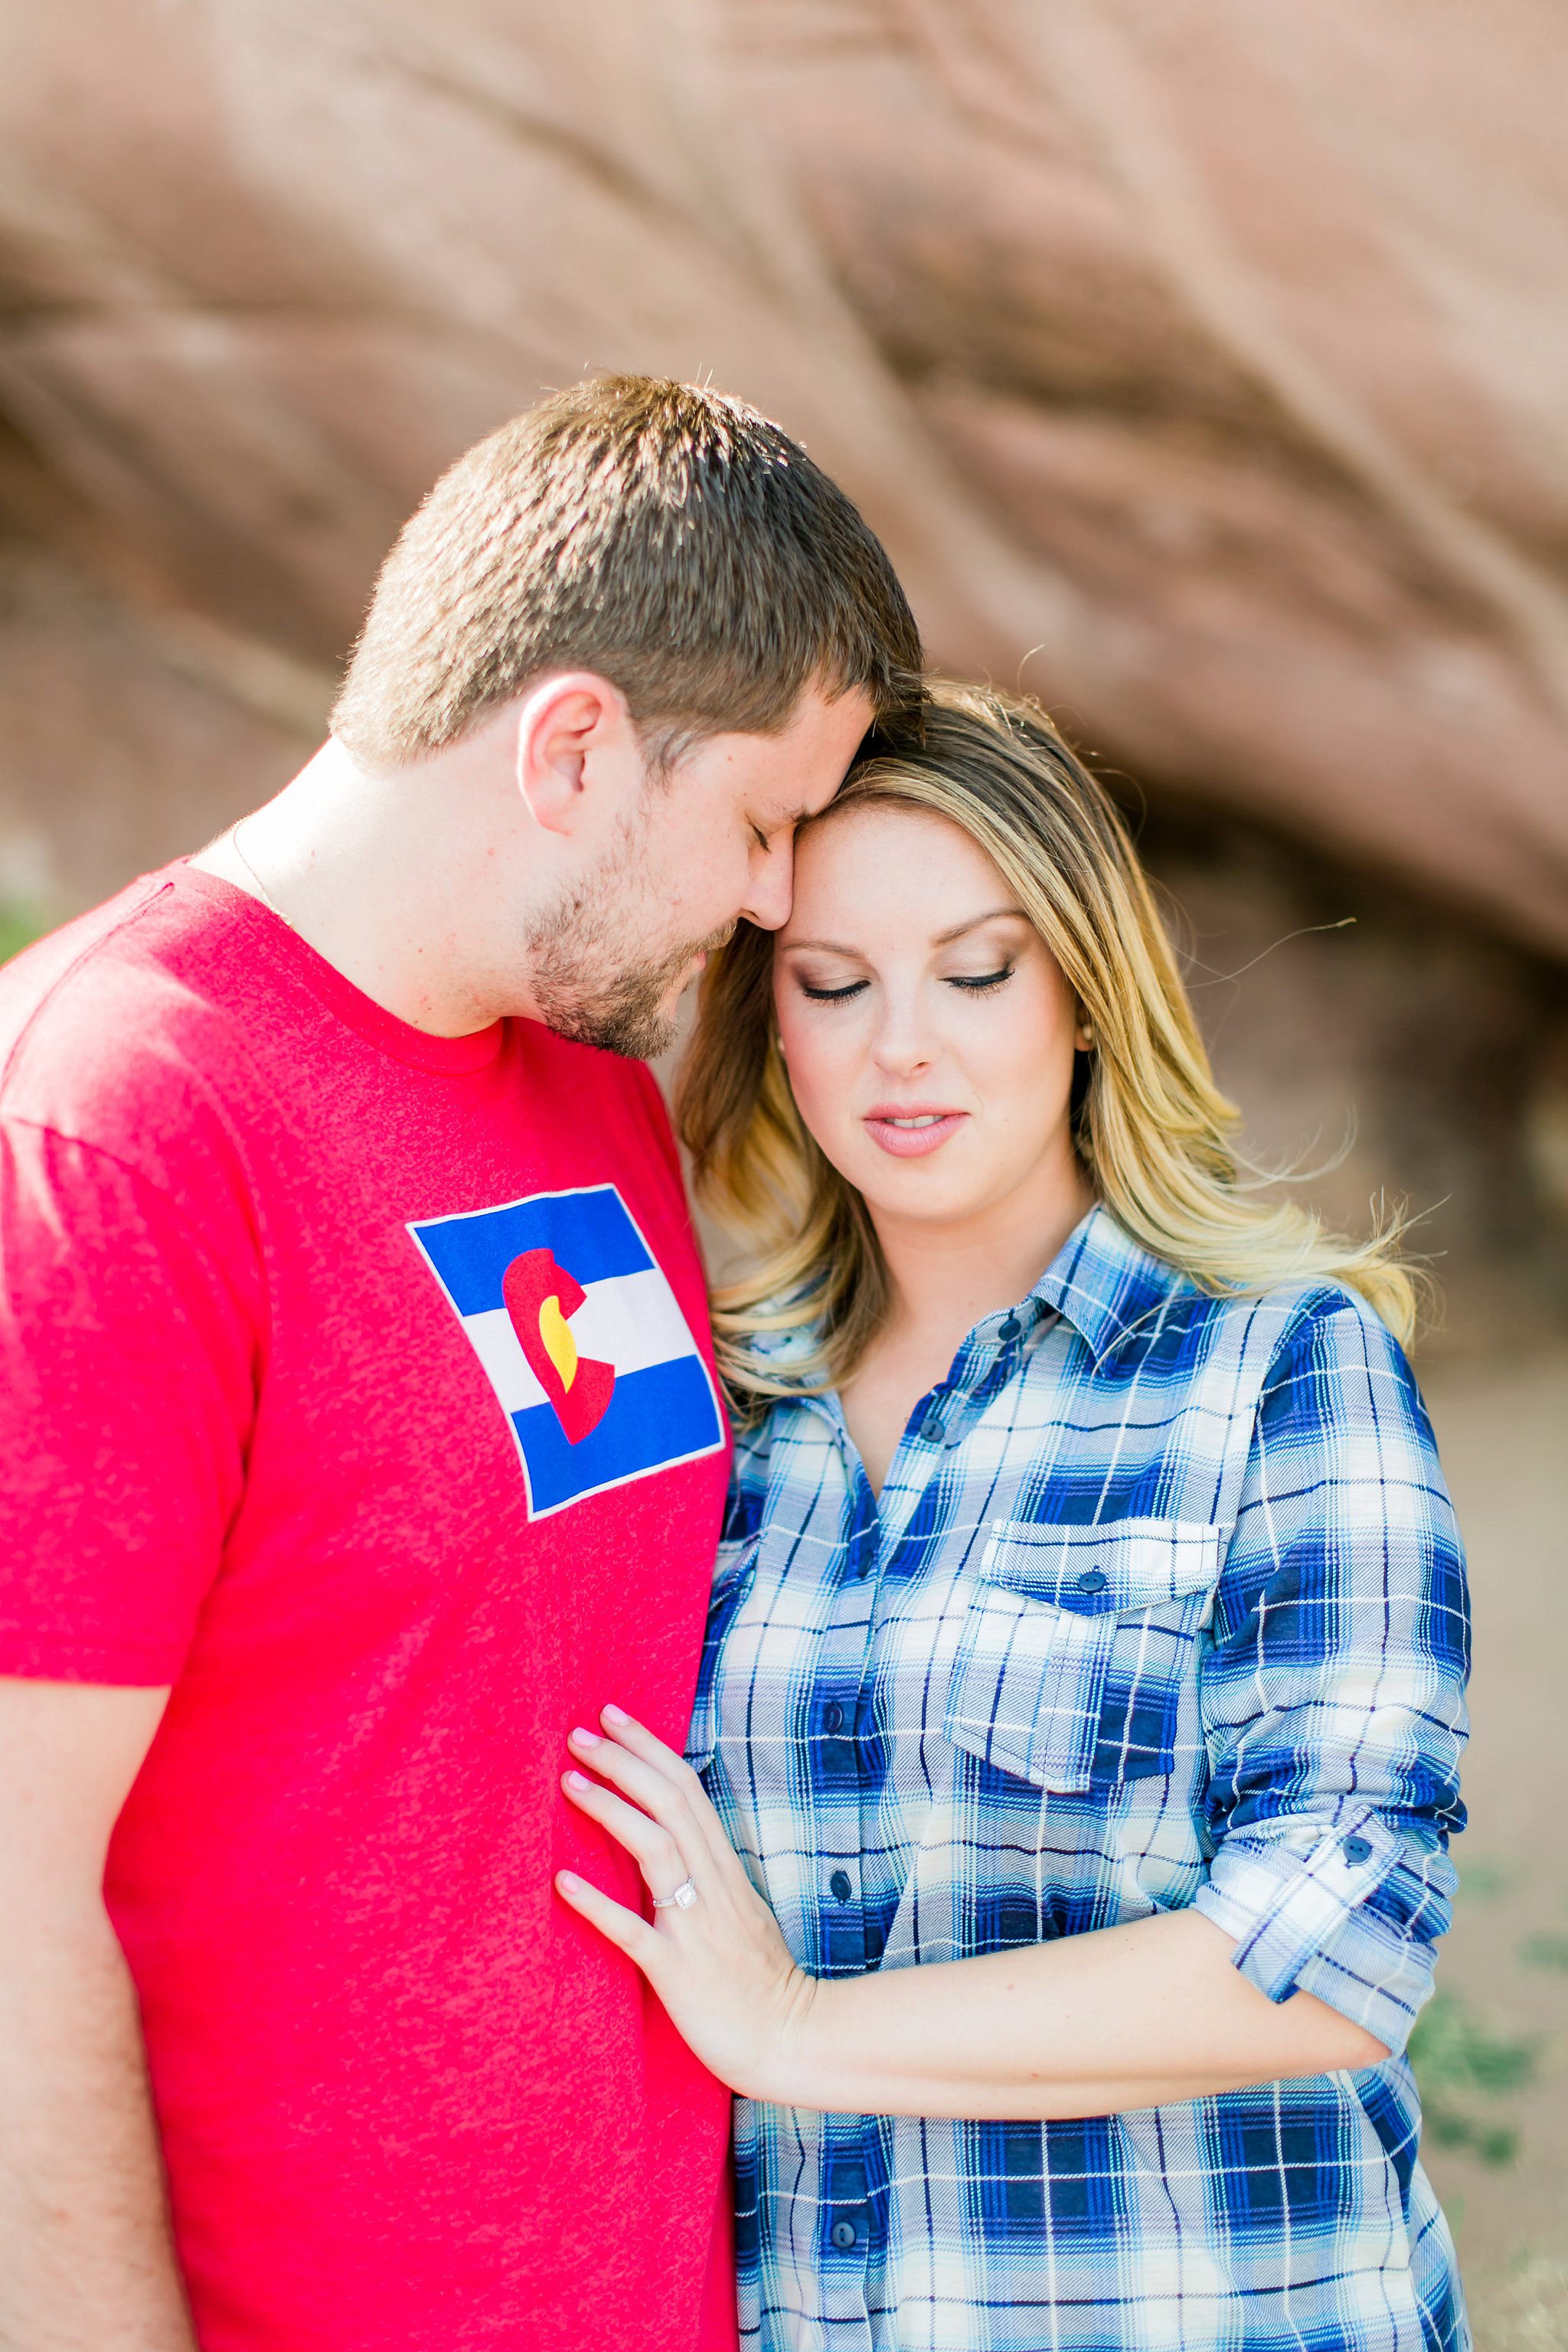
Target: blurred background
x,y
1204,367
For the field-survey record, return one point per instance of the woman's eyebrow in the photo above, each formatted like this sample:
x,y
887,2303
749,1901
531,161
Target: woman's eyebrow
x,y
996,915
943,938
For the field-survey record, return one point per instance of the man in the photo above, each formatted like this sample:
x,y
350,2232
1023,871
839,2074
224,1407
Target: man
x,y
358,1434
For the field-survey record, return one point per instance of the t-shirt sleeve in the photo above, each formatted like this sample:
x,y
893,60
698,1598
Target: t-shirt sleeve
x,y
128,1355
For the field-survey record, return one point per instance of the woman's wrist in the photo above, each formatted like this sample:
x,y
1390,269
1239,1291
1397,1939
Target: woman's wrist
x,y
798,2060
838,2049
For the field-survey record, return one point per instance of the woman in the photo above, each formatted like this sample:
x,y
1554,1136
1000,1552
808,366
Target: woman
x,y
1083,1689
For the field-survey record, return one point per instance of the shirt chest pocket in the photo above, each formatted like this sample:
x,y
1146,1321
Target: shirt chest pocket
x,y
1076,1646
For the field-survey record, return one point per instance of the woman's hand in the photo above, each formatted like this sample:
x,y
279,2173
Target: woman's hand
x,y
1091,2025
720,1968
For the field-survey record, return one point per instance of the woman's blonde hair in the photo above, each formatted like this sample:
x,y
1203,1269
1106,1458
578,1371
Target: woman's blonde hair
x,y
1153,1130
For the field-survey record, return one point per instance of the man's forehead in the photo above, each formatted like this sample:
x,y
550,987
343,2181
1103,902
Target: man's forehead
x,y
785,804
812,755
791,775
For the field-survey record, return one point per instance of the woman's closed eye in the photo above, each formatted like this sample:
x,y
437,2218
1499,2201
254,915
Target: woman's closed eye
x,y
973,984
839,995
977,983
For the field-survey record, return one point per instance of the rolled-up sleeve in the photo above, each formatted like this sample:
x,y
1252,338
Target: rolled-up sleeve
x,y
1332,1685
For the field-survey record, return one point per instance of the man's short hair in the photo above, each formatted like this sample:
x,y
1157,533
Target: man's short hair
x,y
669,539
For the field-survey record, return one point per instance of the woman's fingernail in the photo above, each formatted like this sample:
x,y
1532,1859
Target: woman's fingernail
x,y
613,1714
578,1780
583,1738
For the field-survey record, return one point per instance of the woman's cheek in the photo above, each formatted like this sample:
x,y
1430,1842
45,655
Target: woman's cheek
x,y
823,1094
821,1105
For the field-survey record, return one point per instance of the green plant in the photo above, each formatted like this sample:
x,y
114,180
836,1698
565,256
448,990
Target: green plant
x,y
1523,2308
19,925
1483,1880
1460,2058
1544,1951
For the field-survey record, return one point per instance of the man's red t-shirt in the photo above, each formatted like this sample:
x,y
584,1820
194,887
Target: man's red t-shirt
x,y
355,1383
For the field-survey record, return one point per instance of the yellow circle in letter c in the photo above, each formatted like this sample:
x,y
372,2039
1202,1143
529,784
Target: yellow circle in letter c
x,y
559,1344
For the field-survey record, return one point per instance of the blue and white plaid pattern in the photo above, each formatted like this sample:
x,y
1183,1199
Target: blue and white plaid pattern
x,y
1162,1605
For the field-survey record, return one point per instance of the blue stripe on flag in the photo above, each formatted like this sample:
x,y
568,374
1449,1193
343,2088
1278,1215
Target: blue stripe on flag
x,y
666,1413
591,1233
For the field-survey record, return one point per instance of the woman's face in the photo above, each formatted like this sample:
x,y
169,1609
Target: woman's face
x,y
927,1028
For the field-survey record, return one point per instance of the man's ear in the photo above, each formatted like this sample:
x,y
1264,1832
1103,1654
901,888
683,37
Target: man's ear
x,y
577,750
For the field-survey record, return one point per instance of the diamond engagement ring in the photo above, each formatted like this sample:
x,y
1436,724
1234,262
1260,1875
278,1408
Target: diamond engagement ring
x,y
684,1896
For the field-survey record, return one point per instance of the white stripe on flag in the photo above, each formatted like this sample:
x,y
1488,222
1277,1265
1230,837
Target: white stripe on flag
x,y
630,1321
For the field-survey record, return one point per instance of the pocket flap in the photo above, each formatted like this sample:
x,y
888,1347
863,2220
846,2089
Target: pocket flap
x,y
1098,1571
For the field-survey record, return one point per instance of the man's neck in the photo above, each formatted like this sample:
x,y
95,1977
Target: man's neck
x,y
342,858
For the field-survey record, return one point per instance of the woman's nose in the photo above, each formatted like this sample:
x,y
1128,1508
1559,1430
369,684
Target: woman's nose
x,y
903,1043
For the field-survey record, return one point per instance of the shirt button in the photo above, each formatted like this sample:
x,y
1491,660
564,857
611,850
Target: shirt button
x,y
844,2235
838,1886
934,1428
1091,1580
833,1716
1357,1851
1010,1329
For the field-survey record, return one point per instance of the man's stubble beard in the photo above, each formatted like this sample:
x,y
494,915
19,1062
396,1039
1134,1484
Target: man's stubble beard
x,y
591,976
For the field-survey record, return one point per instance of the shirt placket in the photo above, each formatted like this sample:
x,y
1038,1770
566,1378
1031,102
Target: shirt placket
x,y
845,2184
836,1700
852,2180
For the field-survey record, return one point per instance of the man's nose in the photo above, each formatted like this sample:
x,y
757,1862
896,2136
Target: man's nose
x,y
770,886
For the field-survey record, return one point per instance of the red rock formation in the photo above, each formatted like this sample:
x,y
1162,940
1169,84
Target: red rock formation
x,y
1202,363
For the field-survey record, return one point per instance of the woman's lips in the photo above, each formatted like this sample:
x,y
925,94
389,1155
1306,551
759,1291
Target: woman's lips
x,y
910,1130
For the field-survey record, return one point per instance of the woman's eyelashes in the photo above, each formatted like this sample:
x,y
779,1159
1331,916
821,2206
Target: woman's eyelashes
x,y
820,995
975,983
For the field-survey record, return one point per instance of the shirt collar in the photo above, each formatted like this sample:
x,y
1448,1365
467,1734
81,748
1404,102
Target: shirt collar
x,y
1100,1281
1104,1283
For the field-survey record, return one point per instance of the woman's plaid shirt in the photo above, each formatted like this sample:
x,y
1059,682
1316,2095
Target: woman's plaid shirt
x,y
1162,1605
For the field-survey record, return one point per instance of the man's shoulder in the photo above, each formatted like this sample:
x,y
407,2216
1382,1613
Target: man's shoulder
x,y
121,1017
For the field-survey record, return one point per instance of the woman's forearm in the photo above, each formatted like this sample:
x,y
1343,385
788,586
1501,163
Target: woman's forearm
x,y
1125,2017
1132,2016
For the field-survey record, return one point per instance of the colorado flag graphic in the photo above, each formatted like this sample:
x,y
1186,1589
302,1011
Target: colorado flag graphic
x,y
581,1339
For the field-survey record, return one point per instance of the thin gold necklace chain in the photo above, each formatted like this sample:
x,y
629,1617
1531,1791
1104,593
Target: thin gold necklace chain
x,y
267,898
